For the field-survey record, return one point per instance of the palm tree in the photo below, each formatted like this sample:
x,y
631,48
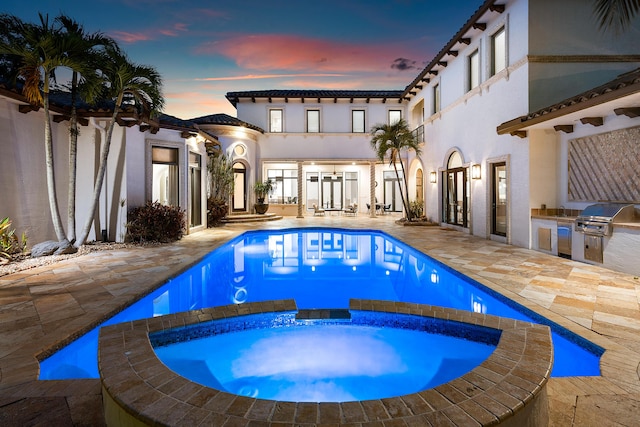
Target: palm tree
x,y
389,141
40,50
129,85
84,51
616,15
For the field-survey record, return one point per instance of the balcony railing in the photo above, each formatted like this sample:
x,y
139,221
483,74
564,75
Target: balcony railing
x,y
419,133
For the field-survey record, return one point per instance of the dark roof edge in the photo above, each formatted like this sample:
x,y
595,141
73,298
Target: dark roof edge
x,y
233,97
454,40
624,85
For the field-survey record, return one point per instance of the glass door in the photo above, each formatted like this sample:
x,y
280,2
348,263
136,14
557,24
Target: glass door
x,y
456,196
239,202
392,189
332,190
499,199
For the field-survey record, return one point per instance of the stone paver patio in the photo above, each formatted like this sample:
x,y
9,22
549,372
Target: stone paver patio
x,y
42,308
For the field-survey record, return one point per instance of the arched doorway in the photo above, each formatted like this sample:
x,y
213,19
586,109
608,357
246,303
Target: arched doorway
x,y
455,193
239,196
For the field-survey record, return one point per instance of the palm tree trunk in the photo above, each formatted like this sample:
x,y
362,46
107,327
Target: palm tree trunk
x,y
406,189
404,204
102,169
73,162
51,181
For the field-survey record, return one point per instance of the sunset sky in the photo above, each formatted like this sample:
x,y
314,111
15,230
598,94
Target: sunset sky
x,y
204,49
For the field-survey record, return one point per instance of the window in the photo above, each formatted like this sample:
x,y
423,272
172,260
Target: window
x,y
436,98
498,51
165,175
275,120
357,121
394,116
313,121
285,189
350,188
313,190
474,70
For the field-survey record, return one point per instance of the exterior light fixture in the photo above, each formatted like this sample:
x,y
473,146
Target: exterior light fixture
x,y
433,177
475,172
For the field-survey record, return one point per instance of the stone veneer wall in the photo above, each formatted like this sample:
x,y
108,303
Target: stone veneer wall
x,y
509,388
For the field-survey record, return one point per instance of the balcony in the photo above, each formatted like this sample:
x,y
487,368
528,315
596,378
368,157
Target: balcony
x,y
419,133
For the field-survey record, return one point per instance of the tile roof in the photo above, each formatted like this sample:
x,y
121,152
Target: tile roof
x,y
224,119
234,97
624,85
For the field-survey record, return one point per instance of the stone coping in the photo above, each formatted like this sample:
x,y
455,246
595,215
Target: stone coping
x,y
508,388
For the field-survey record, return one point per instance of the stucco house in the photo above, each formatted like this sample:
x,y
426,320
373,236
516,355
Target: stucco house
x,y
528,116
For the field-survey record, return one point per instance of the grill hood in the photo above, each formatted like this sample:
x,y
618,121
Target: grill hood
x,y
597,219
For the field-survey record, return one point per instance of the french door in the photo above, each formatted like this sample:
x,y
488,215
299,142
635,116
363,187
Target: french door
x,y
499,199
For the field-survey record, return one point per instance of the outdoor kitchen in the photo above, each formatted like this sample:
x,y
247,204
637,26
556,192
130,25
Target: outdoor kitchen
x,y
604,234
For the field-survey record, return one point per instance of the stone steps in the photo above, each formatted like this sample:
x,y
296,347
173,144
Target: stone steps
x,y
240,218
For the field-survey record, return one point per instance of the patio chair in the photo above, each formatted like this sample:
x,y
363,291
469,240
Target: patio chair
x,y
387,208
317,210
351,210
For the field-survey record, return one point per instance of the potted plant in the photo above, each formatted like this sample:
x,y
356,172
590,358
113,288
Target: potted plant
x,y
262,190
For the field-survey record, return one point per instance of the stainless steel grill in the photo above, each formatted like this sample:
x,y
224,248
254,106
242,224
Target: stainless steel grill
x,y
597,220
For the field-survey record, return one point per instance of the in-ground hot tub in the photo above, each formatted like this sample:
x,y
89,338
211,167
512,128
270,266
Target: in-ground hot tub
x,y
324,355
508,388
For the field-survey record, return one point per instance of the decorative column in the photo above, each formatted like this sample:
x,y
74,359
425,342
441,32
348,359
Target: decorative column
x,y
372,189
300,215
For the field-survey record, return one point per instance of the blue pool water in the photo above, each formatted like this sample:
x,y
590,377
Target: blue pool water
x,y
276,356
321,268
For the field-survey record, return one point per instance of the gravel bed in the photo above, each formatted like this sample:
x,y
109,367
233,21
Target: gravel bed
x,y
25,262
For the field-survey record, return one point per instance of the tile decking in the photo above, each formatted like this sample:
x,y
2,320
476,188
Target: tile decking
x,y
134,380
42,308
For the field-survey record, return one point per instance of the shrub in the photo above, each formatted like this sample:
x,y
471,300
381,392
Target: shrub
x,y
416,209
155,222
9,242
216,210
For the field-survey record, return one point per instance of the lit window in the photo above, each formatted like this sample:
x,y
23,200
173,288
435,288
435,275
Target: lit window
x,y
165,175
275,120
394,116
436,98
313,121
357,121
474,70
498,51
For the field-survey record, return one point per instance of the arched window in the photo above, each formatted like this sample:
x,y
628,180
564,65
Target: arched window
x,y
455,194
419,186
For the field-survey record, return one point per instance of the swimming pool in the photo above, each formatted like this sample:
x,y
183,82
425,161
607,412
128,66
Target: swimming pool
x,y
321,268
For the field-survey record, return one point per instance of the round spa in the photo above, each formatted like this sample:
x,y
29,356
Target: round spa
x,y
353,356
271,364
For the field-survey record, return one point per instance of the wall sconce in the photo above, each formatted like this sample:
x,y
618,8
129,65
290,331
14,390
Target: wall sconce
x,y
475,172
433,177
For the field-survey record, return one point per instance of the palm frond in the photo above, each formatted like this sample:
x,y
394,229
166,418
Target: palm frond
x,y
616,15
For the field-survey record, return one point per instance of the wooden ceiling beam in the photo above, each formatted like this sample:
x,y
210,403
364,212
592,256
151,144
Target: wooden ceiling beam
x,y
24,109
465,40
631,112
593,121
452,53
563,128
480,26
519,133
497,8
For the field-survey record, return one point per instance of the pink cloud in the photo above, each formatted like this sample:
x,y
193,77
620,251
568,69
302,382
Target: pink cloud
x,y
175,29
187,105
127,37
279,52
266,76
150,33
